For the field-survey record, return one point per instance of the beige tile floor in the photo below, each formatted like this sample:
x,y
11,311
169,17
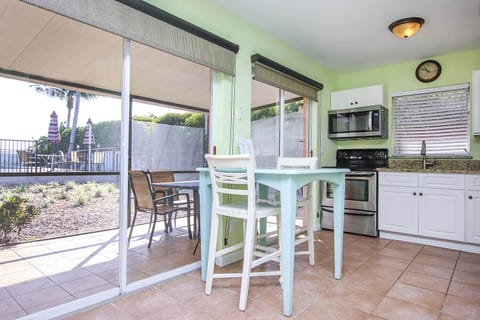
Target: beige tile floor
x,y
382,279
38,275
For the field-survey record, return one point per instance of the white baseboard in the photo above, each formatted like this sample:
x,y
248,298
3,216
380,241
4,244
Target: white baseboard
x,y
454,245
229,258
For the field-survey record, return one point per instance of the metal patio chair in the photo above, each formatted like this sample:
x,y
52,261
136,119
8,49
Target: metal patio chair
x,y
147,200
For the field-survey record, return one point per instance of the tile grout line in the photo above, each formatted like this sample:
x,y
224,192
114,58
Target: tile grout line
x,y
396,281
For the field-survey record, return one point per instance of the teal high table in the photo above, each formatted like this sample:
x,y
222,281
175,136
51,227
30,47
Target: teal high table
x,y
287,181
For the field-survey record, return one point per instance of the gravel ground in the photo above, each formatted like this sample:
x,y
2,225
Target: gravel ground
x,y
67,209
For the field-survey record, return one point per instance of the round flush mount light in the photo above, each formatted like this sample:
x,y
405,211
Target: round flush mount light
x,y
407,27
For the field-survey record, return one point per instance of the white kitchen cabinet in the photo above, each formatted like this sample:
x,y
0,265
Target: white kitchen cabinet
x,y
397,202
357,97
472,207
398,209
441,213
476,101
430,205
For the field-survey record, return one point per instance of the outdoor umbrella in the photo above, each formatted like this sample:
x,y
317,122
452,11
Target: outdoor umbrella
x,y
53,132
88,137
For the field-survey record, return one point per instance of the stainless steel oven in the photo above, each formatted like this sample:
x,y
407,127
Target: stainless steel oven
x,y
360,190
360,203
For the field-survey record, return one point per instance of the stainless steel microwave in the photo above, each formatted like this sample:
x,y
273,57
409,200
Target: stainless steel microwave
x,y
363,122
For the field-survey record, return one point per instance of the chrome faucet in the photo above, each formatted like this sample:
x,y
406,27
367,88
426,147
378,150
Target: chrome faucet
x,y
423,153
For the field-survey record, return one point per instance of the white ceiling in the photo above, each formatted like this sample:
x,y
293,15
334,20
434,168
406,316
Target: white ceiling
x,y
351,35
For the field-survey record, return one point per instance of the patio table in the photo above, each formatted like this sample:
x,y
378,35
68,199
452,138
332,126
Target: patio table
x,y
191,185
287,181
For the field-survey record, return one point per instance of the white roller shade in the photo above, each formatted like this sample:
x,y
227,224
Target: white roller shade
x,y
439,116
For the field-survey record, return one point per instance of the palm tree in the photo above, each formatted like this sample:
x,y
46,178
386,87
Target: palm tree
x,y
70,97
63,94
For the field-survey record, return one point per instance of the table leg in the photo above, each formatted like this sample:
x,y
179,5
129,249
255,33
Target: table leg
x,y
205,217
288,201
196,217
338,220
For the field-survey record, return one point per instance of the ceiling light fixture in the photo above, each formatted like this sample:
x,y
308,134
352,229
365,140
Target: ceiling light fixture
x,y
407,27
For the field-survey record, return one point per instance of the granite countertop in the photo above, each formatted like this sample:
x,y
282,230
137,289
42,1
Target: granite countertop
x,y
440,166
429,170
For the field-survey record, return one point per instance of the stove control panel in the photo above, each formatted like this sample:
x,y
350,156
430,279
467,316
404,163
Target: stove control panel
x,y
360,159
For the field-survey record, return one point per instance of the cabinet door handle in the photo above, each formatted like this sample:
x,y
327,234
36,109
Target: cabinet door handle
x,y
421,193
414,193
470,197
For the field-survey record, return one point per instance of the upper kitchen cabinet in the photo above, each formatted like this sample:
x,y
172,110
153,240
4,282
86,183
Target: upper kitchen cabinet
x,y
358,97
476,102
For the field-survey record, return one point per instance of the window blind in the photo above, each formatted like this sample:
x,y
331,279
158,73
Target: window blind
x,y
141,22
440,116
279,76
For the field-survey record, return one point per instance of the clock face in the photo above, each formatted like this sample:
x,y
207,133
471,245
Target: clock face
x,y
428,71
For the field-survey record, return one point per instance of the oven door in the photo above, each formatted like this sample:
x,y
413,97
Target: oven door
x,y
360,191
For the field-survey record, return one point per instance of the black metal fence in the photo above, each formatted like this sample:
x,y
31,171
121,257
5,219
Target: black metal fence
x,y
25,156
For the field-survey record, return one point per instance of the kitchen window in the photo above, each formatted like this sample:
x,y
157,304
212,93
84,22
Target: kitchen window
x,y
440,116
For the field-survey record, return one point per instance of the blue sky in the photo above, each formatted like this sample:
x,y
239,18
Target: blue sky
x,y
25,114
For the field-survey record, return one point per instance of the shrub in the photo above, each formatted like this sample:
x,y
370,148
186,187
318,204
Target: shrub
x,y
14,214
20,189
81,199
98,193
39,188
111,187
53,184
70,185
90,185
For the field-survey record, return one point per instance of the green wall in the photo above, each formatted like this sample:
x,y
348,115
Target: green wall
x,y
456,68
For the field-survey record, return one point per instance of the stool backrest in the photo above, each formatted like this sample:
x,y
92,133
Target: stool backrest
x,y
233,177
297,163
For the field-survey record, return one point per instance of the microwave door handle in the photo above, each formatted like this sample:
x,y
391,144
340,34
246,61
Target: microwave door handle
x,y
370,121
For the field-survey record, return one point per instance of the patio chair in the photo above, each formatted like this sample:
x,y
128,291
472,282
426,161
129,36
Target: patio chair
x,y
60,160
75,161
147,201
183,198
98,160
25,159
233,195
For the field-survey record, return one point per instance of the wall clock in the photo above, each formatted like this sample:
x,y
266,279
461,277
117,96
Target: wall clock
x,y
428,71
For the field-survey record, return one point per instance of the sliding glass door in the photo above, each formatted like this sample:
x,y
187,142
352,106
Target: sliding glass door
x,y
280,124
